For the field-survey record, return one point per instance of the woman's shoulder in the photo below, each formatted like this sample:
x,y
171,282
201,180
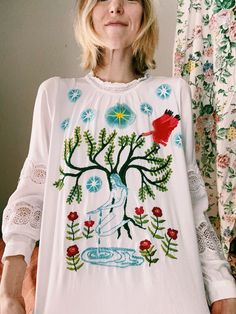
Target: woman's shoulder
x,y
58,81
177,82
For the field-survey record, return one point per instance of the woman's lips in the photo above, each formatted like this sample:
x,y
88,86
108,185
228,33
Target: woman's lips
x,y
116,24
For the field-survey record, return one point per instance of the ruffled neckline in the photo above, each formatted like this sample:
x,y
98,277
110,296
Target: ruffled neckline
x,y
114,86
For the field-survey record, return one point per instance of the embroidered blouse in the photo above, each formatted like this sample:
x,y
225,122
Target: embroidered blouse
x,y
112,190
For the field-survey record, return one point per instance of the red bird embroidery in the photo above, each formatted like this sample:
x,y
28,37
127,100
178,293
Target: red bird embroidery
x,y
163,126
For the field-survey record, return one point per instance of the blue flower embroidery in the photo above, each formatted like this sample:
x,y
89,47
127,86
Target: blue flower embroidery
x,y
74,94
177,139
65,124
164,91
87,115
120,116
94,184
146,108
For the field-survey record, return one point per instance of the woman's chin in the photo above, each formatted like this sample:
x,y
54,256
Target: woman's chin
x,y
116,46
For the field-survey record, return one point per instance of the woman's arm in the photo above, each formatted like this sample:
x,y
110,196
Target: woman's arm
x,y
218,280
22,215
11,300
227,306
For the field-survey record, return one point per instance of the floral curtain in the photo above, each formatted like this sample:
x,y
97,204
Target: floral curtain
x,y
205,56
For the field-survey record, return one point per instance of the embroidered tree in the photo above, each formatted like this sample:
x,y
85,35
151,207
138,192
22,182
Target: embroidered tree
x,y
119,157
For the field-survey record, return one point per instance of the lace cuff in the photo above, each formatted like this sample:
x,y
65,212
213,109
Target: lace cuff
x,y
208,241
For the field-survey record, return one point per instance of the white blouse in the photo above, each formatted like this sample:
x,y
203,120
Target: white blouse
x,y
112,190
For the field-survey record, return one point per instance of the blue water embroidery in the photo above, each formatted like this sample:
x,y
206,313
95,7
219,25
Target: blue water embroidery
x,y
120,115
177,139
65,124
87,115
146,109
74,94
94,184
163,91
111,256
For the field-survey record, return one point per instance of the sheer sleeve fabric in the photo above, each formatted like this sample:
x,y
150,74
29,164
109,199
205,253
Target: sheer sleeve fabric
x,y
22,215
218,280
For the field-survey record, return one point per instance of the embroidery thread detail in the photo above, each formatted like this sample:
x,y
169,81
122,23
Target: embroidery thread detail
x,y
120,116
146,109
147,250
154,173
111,256
73,227
87,115
65,124
88,224
169,247
73,258
156,223
74,95
163,127
177,139
94,184
140,217
163,91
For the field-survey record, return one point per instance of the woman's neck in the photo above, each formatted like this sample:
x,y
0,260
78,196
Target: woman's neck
x,y
117,67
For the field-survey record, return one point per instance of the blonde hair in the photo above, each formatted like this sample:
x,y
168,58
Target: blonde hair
x,y
143,47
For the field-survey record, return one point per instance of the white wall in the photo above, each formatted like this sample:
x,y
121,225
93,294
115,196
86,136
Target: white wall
x,y
37,42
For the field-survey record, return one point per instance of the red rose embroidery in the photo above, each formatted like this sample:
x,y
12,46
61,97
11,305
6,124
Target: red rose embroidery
x,y
145,245
89,223
157,211
72,216
139,210
72,250
172,233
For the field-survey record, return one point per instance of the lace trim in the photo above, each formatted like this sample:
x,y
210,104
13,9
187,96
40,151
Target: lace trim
x,y
195,181
207,238
113,86
23,214
36,172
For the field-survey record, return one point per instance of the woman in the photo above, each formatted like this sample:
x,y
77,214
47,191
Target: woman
x,y
115,120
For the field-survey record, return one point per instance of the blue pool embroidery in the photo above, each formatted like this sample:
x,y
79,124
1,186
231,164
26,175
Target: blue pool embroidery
x,y
111,256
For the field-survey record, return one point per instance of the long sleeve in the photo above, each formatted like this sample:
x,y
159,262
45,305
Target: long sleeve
x,y
219,283
22,215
